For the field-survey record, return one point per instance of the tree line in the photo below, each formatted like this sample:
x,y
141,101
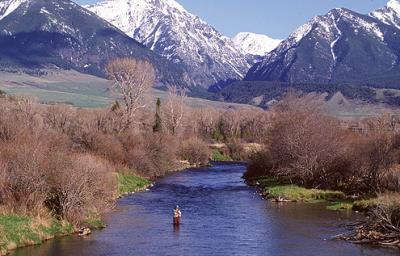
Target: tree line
x,y
315,150
62,161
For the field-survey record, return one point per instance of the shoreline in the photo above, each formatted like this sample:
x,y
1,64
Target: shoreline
x,y
29,231
366,232
129,187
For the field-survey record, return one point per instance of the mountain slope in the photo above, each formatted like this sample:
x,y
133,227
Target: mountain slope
x,y
340,47
43,33
390,14
8,6
168,29
255,44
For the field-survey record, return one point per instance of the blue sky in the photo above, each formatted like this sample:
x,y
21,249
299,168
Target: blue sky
x,y
276,18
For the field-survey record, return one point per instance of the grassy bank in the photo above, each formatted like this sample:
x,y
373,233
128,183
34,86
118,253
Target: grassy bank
x,y
220,157
296,193
272,189
19,231
131,183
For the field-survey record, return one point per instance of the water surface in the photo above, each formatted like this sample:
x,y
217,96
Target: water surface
x,y
221,216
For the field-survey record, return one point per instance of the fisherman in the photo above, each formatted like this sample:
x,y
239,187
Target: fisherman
x,y
177,216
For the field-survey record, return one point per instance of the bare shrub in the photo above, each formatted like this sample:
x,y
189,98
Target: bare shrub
x,y
152,155
236,150
260,165
379,153
23,186
305,145
195,151
87,188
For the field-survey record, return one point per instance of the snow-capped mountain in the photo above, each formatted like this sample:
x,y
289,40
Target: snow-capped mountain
x,y
42,33
390,14
255,44
168,29
8,6
341,46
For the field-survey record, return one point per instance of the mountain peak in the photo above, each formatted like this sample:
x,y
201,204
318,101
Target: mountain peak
x,y
394,5
326,49
255,44
168,29
60,33
338,11
8,6
390,14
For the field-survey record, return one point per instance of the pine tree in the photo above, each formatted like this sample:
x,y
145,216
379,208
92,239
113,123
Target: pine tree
x,y
158,122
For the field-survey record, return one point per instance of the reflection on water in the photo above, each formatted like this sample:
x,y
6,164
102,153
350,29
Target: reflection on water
x,y
221,216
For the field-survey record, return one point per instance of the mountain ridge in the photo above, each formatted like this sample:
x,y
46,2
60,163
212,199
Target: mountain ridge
x,y
62,34
168,29
338,47
255,44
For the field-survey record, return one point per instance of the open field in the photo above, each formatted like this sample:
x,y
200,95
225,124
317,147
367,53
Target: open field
x,y
81,90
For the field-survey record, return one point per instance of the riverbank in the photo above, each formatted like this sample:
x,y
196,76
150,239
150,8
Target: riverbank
x,y
142,224
20,230
275,190
381,227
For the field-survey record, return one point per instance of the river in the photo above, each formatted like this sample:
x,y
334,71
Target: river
x,y
221,216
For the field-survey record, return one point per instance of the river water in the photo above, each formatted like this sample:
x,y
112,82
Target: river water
x,y
221,216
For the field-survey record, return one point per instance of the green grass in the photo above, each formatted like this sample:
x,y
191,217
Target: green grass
x,y
57,228
95,221
81,90
273,188
296,193
130,183
218,156
364,205
341,206
361,205
17,231
49,96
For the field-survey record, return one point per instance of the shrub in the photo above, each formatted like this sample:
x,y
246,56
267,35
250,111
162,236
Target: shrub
x,y
23,186
310,148
237,151
260,165
150,155
87,188
195,151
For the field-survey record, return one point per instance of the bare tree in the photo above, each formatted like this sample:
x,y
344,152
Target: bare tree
x,y
175,108
132,78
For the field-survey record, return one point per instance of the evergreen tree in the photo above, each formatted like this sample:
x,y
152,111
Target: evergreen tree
x,y
158,122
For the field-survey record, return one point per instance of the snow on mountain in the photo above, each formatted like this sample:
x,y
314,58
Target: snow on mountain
x,y
8,6
255,44
168,29
340,46
36,34
390,14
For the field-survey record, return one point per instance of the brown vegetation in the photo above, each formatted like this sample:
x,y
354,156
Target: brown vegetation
x,y
195,151
132,79
61,160
383,225
306,147
309,148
